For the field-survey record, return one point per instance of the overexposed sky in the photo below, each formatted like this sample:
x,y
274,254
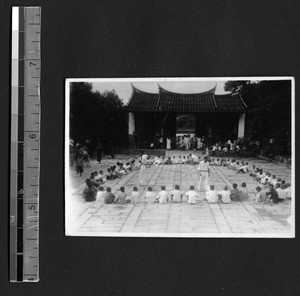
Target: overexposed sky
x,y
124,88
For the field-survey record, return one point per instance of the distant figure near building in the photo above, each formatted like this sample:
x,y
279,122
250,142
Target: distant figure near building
x,y
168,143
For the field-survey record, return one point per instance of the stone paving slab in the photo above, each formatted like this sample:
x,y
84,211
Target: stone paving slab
x,y
176,219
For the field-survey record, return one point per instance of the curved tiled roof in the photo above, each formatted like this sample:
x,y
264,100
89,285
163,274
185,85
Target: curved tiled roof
x,y
166,101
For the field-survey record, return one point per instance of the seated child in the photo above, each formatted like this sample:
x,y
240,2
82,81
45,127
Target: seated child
x,y
188,160
264,178
244,192
243,168
108,196
127,166
252,171
259,175
192,195
273,195
121,197
93,181
90,191
235,194
168,161
281,192
150,196
121,170
194,159
135,195
99,177
134,165
273,180
157,160
225,195
162,195
100,193
180,161
260,196
184,160
231,164
212,162
288,191
177,194
174,160
236,165
109,175
212,195
265,181
115,172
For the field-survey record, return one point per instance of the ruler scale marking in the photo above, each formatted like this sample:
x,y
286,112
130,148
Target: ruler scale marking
x,y
25,150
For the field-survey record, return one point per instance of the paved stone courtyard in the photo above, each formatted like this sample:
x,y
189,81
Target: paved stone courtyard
x,y
203,219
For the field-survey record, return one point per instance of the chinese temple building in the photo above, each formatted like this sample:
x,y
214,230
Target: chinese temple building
x,y
217,118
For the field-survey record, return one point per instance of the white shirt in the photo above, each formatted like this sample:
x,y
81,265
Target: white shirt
x,y
192,195
163,196
176,195
150,196
144,159
203,166
281,193
288,192
225,196
100,195
211,196
135,196
244,168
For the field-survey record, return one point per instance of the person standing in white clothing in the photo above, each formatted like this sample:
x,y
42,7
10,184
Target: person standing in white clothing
x,y
143,168
168,143
204,172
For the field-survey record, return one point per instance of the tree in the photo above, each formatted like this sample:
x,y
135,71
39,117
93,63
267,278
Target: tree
x,y
97,116
269,116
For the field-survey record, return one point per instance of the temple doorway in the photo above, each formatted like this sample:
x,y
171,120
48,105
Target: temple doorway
x,y
185,124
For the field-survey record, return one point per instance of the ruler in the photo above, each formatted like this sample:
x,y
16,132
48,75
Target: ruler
x,y
25,146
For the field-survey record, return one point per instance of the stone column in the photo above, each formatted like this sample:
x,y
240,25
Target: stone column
x,y
131,129
241,126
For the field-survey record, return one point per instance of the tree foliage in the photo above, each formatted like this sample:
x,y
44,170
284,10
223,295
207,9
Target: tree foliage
x,y
269,116
95,115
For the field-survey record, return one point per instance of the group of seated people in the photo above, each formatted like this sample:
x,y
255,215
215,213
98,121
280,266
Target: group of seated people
x,y
93,193
190,159
120,169
271,189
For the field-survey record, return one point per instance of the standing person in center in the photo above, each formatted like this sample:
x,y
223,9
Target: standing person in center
x,y
204,171
143,168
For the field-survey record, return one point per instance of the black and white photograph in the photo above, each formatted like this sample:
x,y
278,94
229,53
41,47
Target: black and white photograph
x,y
180,157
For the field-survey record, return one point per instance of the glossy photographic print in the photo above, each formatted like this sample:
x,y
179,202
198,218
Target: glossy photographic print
x,y
180,157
